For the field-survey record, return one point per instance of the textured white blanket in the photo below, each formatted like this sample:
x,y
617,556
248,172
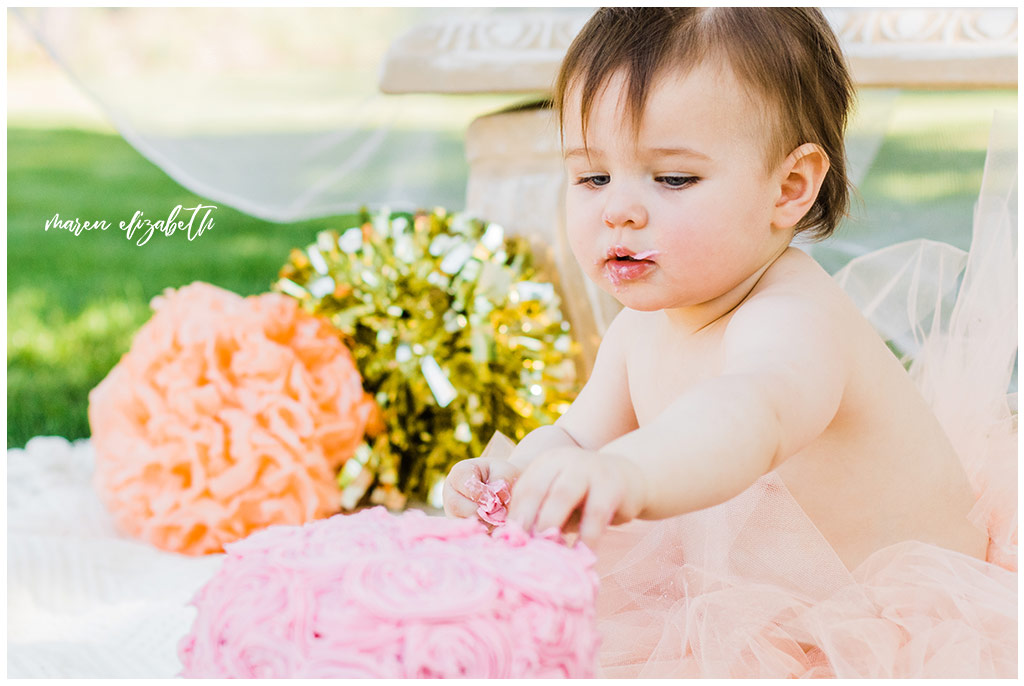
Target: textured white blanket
x,y
83,600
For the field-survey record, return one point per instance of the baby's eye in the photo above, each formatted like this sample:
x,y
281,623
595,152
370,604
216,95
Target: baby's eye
x,y
676,181
593,180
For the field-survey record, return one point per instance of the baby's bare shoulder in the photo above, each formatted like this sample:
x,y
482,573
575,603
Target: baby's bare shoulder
x,y
797,286
797,305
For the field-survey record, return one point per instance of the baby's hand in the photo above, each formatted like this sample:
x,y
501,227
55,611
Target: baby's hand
x,y
464,488
606,489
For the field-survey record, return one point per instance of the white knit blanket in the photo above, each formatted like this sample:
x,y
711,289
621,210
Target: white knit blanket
x,y
83,600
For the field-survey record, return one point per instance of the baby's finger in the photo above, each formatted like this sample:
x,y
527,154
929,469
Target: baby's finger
x,y
602,502
505,471
528,494
468,476
471,486
564,496
456,504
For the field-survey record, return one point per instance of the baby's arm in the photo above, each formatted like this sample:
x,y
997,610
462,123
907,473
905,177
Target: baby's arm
x,y
601,412
785,370
562,478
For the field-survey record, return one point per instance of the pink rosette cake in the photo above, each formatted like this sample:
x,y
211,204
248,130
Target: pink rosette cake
x,y
227,415
379,595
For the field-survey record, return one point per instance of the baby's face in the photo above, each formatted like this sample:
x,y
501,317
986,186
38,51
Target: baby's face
x,y
689,198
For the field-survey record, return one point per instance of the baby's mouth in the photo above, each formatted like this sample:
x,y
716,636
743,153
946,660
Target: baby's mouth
x,y
623,265
622,254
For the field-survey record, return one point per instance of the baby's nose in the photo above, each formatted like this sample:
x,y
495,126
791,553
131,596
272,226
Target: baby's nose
x,y
624,212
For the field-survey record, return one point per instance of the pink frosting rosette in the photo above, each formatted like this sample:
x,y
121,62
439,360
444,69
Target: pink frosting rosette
x,y
396,596
493,501
227,415
476,647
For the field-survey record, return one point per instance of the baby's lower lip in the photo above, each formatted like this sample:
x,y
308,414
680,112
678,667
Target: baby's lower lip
x,y
619,271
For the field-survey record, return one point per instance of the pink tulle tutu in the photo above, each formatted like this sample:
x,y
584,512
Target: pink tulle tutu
x,y
750,588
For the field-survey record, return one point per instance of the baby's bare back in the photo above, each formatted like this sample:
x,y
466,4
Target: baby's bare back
x,y
882,472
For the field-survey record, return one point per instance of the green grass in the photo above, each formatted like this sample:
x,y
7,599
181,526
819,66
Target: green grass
x,y
75,301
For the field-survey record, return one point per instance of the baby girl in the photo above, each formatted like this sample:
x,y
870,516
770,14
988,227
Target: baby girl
x,y
694,155
809,515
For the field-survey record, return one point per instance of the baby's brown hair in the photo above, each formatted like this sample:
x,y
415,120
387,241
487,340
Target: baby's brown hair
x,y
788,56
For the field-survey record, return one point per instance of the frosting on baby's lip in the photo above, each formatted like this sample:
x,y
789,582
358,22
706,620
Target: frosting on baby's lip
x,y
618,251
646,255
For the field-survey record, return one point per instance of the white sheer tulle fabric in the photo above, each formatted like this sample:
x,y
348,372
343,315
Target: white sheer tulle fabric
x,y
276,111
750,588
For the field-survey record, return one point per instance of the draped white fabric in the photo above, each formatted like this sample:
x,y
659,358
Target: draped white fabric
x,y
278,112
274,111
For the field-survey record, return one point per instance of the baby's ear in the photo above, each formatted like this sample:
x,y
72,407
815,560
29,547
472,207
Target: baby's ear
x,y
801,176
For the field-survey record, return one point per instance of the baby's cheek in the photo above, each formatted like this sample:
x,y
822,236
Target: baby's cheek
x,y
703,265
585,247
697,249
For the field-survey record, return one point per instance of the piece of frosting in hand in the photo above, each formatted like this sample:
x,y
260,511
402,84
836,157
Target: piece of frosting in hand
x,y
493,501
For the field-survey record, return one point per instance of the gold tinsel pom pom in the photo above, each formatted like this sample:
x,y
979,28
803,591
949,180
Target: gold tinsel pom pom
x,y
453,333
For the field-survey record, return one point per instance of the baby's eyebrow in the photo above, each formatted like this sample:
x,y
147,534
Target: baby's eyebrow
x,y
678,152
655,152
581,152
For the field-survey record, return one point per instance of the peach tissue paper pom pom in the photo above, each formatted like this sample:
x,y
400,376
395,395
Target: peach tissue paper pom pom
x,y
373,594
228,415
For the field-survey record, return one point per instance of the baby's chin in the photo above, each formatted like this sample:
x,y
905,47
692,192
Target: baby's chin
x,y
640,305
638,296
